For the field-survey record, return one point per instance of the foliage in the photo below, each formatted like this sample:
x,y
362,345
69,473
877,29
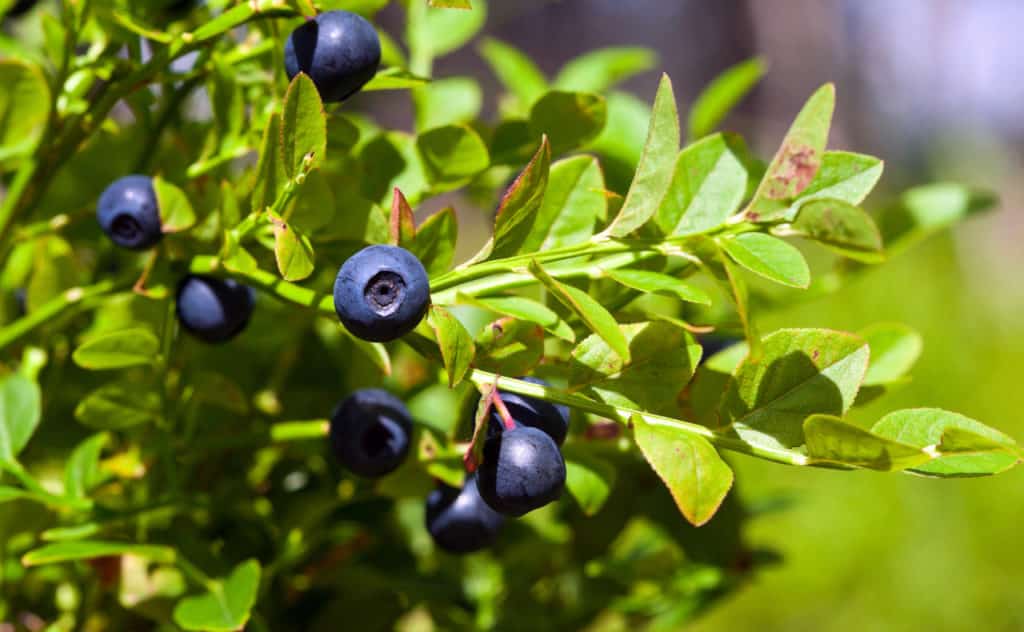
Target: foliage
x,y
150,478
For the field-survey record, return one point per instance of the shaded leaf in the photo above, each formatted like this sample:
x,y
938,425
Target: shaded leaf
x,y
800,372
599,70
82,470
20,411
24,108
453,153
118,405
117,350
509,347
589,479
894,350
926,210
516,71
842,227
569,119
832,440
270,172
435,241
303,127
455,343
662,360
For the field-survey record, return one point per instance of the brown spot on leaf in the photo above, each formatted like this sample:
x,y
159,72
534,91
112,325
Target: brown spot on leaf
x,y
793,172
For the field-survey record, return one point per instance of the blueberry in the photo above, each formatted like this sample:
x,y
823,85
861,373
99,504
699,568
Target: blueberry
x,y
129,214
522,471
370,432
713,343
459,520
340,51
214,310
381,293
553,419
20,7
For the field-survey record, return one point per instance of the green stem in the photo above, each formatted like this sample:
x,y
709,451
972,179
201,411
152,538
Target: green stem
x,y
299,430
56,307
268,282
623,415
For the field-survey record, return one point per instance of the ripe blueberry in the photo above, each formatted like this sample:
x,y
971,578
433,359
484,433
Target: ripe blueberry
x,y
522,471
20,7
214,310
129,214
370,432
459,520
381,293
340,51
553,419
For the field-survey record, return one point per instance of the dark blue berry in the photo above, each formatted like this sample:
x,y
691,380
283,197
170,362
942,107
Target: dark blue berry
x,y
459,520
214,310
129,214
20,7
553,419
714,343
522,471
381,293
340,51
370,432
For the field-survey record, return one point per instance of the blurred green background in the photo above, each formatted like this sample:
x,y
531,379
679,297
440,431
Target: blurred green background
x,y
923,84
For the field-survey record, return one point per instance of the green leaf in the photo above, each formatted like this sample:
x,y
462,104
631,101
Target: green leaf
x,y
589,479
656,282
844,176
654,173
10,494
435,240
118,405
593,314
894,350
797,162
515,71
227,605
842,227
769,257
662,360
599,70
270,173
509,347
519,206
689,466
524,309
800,372
19,414
926,210
453,153
924,427
90,549
457,348
451,4
722,95
437,32
832,440
396,162
82,470
176,212
293,252
708,184
569,119
303,127
24,108
401,223
117,350
573,201
395,79
447,101
315,206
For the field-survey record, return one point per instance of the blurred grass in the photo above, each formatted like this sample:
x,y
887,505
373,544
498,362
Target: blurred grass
x,y
868,551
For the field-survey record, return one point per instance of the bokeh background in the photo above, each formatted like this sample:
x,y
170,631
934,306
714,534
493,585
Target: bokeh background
x,y
932,87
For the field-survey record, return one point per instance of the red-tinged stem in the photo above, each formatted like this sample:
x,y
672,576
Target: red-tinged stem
x,y
506,417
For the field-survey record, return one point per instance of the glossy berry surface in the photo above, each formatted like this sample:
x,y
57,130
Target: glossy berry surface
x,y
340,51
129,214
214,310
381,293
370,432
553,419
522,471
459,520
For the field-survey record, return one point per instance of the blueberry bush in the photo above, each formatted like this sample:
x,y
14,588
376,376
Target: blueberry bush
x,y
243,384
